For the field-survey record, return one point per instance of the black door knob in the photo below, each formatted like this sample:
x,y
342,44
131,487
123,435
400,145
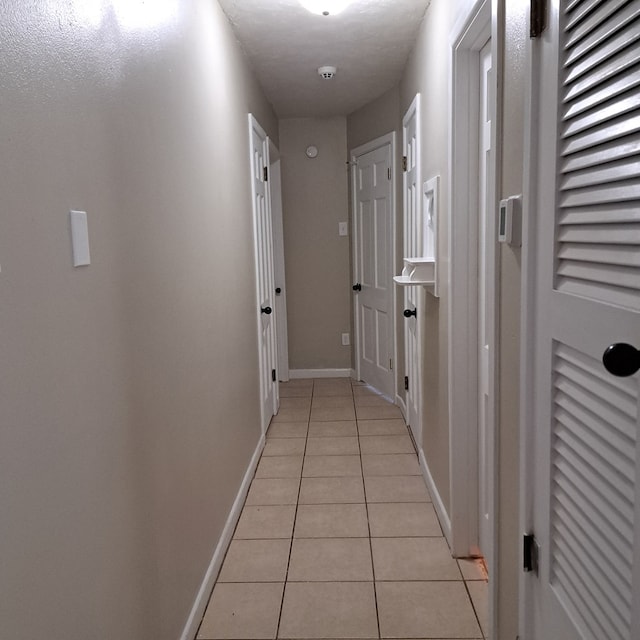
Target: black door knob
x,y
266,310
410,312
621,359
278,291
357,287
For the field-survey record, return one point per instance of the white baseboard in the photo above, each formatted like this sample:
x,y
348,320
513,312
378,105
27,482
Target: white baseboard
x,y
200,604
403,406
354,375
438,505
319,373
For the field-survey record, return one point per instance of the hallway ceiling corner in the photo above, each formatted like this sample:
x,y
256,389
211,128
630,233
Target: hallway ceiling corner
x,y
369,42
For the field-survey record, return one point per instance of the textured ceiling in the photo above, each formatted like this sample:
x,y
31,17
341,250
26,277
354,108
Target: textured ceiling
x,y
369,43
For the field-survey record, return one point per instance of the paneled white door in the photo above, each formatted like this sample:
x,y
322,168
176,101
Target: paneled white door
x,y
413,296
584,464
265,287
373,229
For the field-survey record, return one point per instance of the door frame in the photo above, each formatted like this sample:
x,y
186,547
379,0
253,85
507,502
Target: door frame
x,y
275,190
468,36
390,140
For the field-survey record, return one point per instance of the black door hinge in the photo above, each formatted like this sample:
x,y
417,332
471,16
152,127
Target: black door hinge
x,y
530,553
537,18
406,383
266,174
273,375
404,163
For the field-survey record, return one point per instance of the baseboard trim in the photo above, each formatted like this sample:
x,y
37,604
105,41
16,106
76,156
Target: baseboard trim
x,y
202,599
403,406
438,504
319,373
354,375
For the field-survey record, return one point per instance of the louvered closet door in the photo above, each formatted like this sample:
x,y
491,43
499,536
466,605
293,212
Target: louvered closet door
x,y
587,462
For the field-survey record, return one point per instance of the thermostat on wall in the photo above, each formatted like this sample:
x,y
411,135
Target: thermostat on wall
x,y
510,221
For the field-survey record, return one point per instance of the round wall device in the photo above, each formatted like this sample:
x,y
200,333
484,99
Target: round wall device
x,y
311,151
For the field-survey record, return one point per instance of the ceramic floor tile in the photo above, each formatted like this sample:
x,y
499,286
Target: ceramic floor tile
x,y
291,415
333,429
273,491
331,414
413,559
472,568
284,447
331,402
391,427
425,610
265,522
256,561
328,610
331,491
332,466
279,467
330,560
378,413
403,520
371,400
323,389
331,521
396,489
332,446
288,430
295,403
364,390
295,392
238,611
479,592
386,444
395,464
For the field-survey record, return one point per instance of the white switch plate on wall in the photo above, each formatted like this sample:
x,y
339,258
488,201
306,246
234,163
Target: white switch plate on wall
x,y
343,228
80,238
346,340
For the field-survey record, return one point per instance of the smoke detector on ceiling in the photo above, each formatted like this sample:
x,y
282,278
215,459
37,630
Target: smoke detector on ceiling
x,y
327,72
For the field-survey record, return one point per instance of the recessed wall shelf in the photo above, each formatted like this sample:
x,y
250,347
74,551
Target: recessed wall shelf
x,y
423,270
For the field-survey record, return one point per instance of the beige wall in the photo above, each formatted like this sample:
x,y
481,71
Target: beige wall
x,y
314,201
128,388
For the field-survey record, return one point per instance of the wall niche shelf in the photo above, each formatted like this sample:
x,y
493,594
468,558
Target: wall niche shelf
x,y
423,269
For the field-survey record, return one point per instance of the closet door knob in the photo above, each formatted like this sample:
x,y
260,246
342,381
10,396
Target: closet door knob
x,y
357,287
621,359
410,312
266,310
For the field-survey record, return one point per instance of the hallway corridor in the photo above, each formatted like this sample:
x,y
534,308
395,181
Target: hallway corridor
x,y
338,537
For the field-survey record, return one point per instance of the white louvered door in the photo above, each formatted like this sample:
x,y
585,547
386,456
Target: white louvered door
x,y
585,427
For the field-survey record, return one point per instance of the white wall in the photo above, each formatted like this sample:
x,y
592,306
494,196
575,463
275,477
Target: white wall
x,y
128,389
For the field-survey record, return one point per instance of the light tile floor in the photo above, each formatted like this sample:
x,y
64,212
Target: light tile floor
x,y
338,537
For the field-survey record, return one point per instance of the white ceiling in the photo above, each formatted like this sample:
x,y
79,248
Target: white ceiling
x,y
369,43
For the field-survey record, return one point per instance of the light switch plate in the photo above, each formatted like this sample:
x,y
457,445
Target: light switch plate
x,y
80,238
343,228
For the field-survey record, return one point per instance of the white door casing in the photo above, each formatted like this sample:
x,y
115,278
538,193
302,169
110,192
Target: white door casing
x,y
413,295
580,456
474,289
485,340
275,189
373,250
263,238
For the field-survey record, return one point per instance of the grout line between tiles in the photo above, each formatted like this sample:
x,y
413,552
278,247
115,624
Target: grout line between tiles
x,y
295,518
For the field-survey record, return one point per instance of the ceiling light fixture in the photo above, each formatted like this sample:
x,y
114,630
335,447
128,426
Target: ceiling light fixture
x,y
325,7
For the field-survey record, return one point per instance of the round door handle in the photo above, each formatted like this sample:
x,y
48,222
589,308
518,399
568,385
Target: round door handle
x,y
266,310
278,291
357,287
410,312
621,359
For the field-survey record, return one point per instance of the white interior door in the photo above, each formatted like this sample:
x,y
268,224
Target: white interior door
x,y
413,296
584,425
263,236
484,337
373,243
